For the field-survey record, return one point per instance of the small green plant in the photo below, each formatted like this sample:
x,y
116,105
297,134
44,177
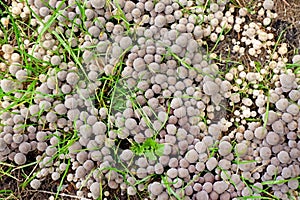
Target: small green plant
x,y
150,148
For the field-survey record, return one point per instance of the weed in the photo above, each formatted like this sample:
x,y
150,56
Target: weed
x,y
150,148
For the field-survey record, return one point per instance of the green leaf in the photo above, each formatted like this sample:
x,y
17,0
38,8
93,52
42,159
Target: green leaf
x,y
160,149
150,155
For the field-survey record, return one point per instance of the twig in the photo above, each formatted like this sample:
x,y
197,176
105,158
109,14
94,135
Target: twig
x,y
286,3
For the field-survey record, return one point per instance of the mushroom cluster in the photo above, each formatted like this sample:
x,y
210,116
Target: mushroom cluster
x,y
135,100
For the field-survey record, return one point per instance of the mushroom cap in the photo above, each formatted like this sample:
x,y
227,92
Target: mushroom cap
x,y
260,132
81,157
210,88
202,195
172,173
224,148
139,64
130,123
35,184
293,109
220,187
160,21
156,188
268,4
55,60
272,138
278,127
176,103
211,163
7,85
286,80
72,78
126,155
95,189
283,157
125,42
159,7
241,149
293,184
282,104
265,153
24,147
80,172
88,165
94,31
55,176
86,131
98,4
214,130
60,109
20,158
192,156
21,75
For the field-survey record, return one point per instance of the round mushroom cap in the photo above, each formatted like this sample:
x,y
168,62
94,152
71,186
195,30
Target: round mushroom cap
x,y
182,40
95,189
192,156
210,88
125,42
200,147
139,64
86,131
130,123
294,95
7,85
287,80
278,126
268,4
98,4
55,60
20,158
81,157
241,149
202,195
211,163
272,117
156,188
160,21
272,138
260,132
80,172
3,144
224,148
172,173
21,75
35,184
293,184
72,78
180,112
94,31
293,109
176,103
286,172
283,157
126,155
220,187
214,130
24,147
265,153
282,104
